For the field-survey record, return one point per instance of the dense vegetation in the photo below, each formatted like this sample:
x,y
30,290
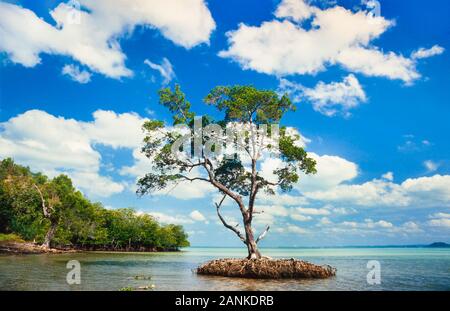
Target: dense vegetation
x,y
53,212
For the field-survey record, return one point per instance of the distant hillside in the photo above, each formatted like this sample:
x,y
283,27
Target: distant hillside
x,y
438,244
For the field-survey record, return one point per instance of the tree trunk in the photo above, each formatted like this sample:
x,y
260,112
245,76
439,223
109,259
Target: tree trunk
x,y
50,234
253,252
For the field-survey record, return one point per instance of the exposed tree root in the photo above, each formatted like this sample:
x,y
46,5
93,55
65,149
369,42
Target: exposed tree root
x,y
266,269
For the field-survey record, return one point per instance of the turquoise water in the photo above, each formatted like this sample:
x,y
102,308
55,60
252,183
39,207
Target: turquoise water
x,y
401,269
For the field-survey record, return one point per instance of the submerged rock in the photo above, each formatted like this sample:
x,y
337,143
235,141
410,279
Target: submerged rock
x,y
265,268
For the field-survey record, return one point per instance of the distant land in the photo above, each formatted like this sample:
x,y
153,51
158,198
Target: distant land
x,y
432,245
439,244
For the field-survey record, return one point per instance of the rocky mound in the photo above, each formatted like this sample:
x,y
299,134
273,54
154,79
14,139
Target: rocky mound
x,y
266,269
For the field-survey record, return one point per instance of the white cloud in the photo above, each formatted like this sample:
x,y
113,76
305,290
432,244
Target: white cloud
x,y
289,228
286,46
264,219
296,10
57,145
388,176
74,72
116,130
416,192
440,220
313,211
368,224
270,214
372,193
93,183
274,210
329,99
197,216
300,217
371,227
425,53
282,199
325,221
373,62
191,190
185,190
331,171
341,210
440,215
171,219
410,227
296,229
431,166
91,35
165,69
443,222
429,189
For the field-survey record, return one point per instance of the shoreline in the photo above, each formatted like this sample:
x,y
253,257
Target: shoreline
x,y
29,248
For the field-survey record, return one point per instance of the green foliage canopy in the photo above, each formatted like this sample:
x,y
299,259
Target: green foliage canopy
x,y
81,223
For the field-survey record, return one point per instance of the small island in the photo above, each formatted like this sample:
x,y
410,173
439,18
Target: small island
x,y
266,268
43,215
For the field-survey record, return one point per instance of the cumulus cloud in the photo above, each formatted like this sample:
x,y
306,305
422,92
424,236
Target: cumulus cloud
x,y
331,171
288,45
416,192
328,99
165,69
115,130
74,72
90,31
57,145
388,176
435,188
373,62
197,216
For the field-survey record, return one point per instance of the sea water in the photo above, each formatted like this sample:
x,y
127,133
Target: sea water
x,y
400,269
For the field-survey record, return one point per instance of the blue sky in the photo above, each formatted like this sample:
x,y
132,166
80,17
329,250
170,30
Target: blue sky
x,y
372,93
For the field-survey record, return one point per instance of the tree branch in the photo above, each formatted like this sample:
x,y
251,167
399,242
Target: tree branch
x,y
238,233
263,234
193,178
45,209
209,168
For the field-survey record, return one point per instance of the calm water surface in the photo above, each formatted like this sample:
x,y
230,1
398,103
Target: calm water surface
x,y
401,269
